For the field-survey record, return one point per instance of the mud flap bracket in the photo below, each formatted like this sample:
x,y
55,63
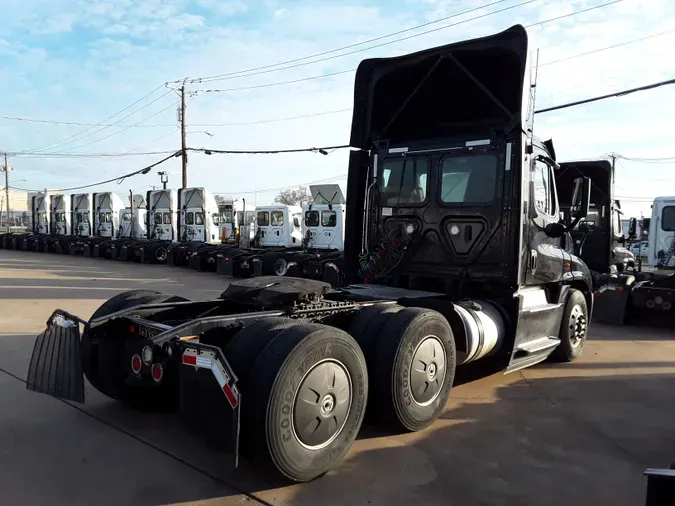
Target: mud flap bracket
x,y
210,401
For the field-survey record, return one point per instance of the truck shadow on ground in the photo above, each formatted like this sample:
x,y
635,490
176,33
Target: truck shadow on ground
x,y
581,440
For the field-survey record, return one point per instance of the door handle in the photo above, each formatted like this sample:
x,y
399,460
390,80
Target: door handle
x,y
533,261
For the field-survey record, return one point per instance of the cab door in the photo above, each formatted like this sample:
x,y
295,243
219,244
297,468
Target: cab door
x,y
545,255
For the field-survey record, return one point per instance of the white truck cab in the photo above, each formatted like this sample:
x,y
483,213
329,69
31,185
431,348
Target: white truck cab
x,y
662,233
81,205
199,217
324,218
227,219
42,213
134,224
107,208
279,226
60,205
231,214
162,214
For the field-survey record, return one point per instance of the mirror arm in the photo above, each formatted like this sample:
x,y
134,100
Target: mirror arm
x,y
574,223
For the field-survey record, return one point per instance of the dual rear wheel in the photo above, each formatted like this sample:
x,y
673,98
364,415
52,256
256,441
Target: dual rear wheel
x,y
306,386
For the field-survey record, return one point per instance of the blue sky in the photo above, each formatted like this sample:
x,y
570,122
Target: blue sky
x,y
83,61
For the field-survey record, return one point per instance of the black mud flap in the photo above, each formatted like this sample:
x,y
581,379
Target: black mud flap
x,y
610,304
210,401
56,364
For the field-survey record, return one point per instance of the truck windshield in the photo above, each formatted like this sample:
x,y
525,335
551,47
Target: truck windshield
x,y
263,219
311,218
668,219
79,217
167,218
189,218
158,218
403,181
328,218
468,179
277,218
226,214
199,218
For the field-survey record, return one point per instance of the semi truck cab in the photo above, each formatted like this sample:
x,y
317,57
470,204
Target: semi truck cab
x,y
278,226
81,218
60,215
199,216
107,208
162,213
324,218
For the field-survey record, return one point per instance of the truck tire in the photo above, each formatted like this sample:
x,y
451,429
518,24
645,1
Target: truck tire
x,y
414,368
244,348
292,428
573,329
366,326
101,360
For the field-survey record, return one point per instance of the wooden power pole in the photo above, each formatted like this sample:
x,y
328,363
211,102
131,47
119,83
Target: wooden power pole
x,y
183,134
6,170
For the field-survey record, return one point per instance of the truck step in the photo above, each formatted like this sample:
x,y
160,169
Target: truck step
x,y
532,352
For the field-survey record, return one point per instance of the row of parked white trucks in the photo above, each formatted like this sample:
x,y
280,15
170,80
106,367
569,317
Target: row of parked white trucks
x,y
191,227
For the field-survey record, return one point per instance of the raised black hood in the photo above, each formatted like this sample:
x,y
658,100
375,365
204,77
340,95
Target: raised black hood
x,y
442,91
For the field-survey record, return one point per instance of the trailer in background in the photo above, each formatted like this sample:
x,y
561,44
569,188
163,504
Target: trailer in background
x,y
645,296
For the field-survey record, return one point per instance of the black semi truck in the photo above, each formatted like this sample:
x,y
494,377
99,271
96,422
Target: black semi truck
x,y
453,255
598,239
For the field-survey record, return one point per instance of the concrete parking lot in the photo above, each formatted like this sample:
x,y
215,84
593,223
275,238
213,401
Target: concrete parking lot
x,y
579,433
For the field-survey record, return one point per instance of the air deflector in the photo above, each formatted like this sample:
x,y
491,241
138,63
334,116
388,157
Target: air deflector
x,y
444,91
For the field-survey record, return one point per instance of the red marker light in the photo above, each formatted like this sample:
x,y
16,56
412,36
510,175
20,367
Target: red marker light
x,y
132,329
157,372
190,360
136,364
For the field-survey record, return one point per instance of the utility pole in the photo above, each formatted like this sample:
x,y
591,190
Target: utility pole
x,y
183,134
613,157
6,169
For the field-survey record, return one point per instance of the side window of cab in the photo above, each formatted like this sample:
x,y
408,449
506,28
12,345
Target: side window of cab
x,y
545,199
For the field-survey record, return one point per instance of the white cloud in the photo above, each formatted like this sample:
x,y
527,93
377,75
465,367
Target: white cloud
x,y
100,56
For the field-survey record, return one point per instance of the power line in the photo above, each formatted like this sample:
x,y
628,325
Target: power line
x,y
87,155
323,53
209,125
557,18
621,44
303,116
123,130
118,179
322,150
444,27
72,123
667,159
603,97
54,144
346,71
124,153
325,180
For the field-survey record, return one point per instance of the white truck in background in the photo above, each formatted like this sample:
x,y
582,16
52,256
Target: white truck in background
x,y
162,214
107,209
661,253
324,218
198,227
61,217
82,212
